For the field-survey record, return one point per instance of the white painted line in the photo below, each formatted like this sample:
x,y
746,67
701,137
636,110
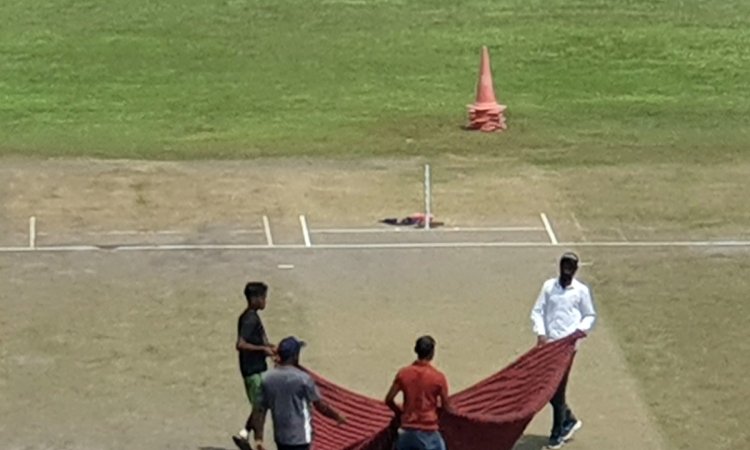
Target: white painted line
x,y
375,246
132,232
32,232
305,230
426,245
417,245
285,266
236,232
63,248
411,229
548,227
189,247
488,229
361,230
660,244
267,229
154,232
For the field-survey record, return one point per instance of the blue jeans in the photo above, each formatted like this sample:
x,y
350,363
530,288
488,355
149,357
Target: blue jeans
x,y
420,440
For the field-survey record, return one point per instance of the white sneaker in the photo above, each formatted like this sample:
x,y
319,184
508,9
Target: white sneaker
x,y
568,434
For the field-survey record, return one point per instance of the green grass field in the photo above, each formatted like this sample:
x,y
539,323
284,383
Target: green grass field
x,y
586,81
655,90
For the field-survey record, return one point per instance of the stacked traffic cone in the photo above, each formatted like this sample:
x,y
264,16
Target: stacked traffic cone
x,y
486,114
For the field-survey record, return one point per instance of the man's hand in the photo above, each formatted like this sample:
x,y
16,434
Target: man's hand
x,y
270,350
259,445
541,340
341,419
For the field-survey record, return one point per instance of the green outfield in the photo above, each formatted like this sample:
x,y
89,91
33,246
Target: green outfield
x,y
586,81
628,120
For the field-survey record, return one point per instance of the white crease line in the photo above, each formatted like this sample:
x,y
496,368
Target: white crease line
x,y
305,230
236,232
133,232
482,229
548,227
154,232
54,248
32,232
189,247
414,229
404,245
267,229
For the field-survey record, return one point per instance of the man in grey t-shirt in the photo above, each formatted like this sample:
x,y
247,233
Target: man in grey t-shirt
x,y
290,393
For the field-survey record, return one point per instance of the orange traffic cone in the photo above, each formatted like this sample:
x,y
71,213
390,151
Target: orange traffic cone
x,y
486,114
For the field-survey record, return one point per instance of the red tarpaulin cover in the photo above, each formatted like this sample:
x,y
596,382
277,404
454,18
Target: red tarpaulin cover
x,y
491,415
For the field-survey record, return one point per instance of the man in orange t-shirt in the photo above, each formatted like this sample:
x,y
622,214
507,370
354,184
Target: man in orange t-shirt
x,y
425,392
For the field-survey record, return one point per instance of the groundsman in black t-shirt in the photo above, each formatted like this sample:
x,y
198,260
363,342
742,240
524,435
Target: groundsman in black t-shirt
x,y
253,348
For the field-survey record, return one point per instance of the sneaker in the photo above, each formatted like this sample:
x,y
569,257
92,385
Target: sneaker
x,y
241,442
570,429
555,442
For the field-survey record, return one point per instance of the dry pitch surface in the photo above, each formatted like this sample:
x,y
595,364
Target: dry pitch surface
x,y
135,349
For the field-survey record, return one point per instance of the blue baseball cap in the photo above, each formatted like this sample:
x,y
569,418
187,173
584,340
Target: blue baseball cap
x,y
289,347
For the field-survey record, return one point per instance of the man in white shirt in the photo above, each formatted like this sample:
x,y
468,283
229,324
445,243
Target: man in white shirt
x,y
564,306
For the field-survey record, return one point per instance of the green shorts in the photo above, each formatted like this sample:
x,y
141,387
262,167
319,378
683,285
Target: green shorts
x,y
253,389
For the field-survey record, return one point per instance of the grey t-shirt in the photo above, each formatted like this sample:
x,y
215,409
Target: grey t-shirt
x,y
289,393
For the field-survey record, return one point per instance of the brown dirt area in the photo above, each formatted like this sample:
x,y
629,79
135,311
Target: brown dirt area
x,y
71,199
135,350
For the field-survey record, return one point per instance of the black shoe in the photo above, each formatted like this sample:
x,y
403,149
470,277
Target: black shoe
x,y
555,442
241,442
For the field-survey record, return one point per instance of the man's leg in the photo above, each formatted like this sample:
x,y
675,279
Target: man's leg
x,y
435,441
420,440
560,410
563,418
410,440
253,391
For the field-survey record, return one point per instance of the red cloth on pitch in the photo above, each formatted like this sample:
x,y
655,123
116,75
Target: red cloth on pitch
x,y
491,415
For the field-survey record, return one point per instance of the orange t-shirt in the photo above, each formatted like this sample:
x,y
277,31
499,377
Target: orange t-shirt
x,y
421,385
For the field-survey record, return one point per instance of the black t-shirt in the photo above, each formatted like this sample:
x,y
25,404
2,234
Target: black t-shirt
x,y
250,328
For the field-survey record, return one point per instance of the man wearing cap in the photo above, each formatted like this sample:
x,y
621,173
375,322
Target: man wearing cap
x,y
563,307
425,392
290,392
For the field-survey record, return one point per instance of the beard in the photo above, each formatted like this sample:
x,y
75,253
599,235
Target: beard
x,y
565,279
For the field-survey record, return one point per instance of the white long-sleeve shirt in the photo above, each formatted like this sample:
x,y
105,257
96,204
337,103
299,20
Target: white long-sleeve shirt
x,y
559,312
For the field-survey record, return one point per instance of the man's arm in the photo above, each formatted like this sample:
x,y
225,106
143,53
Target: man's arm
x,y
588,312
329,411
537,316
244,346
444,400
313,396
390,397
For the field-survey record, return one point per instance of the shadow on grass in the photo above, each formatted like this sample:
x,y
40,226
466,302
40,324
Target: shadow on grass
x,y
531,442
